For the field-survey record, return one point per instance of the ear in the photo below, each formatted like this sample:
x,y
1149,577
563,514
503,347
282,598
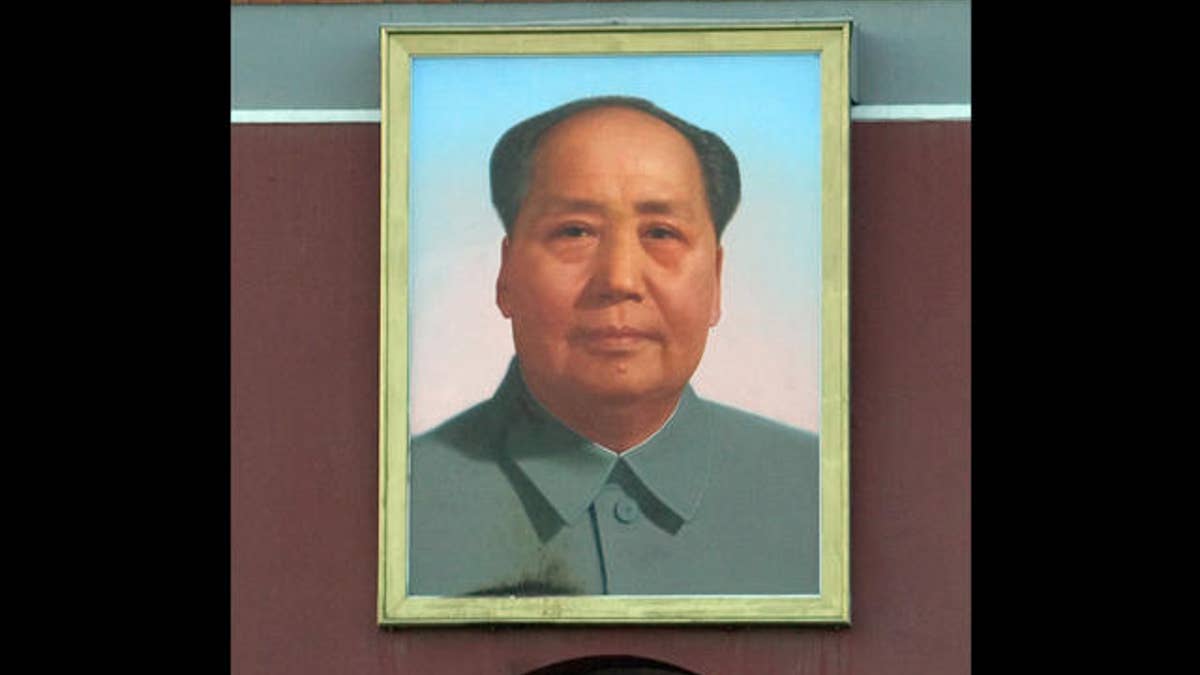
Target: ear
x,y
502,280
714,314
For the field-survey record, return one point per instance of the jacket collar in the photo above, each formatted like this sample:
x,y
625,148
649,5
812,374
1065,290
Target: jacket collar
x,y
674,465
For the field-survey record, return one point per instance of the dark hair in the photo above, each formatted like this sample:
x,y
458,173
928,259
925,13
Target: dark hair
x,y
511,159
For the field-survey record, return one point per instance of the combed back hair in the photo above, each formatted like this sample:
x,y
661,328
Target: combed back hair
x,y
512,158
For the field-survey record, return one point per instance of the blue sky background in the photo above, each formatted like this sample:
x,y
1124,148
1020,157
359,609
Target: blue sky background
x,y
764,355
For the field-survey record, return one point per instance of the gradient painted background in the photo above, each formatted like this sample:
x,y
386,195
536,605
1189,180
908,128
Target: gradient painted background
x,y
764,356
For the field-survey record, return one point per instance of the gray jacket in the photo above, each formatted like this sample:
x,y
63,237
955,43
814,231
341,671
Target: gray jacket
x,y
506,500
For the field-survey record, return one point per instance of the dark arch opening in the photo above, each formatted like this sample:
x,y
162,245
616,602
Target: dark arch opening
x,y
621,664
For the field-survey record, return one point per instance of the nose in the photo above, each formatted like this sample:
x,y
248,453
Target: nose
x,y
617,273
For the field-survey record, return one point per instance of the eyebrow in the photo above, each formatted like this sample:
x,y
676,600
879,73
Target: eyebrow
x,y
648,207
655,207
561,204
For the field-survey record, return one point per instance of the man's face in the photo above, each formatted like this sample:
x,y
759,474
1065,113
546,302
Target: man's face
x,y
611,274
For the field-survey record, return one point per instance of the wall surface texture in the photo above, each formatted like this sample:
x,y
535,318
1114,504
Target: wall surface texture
x,y
304,341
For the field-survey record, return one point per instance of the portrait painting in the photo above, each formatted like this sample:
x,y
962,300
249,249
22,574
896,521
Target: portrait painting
x,y
613,357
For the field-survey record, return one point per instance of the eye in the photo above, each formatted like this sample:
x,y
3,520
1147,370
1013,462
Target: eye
x,y
662,232
572,231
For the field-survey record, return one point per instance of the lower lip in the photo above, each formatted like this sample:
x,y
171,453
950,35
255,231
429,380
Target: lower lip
x,y
615,343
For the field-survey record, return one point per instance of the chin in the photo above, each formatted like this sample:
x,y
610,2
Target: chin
x,y
622,388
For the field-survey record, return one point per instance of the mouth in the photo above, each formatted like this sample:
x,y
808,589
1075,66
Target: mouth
x,y
614,338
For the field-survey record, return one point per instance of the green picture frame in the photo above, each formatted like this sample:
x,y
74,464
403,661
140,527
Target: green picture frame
x,y
400,47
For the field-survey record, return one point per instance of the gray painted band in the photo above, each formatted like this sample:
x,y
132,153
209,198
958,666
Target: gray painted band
x,y
300,57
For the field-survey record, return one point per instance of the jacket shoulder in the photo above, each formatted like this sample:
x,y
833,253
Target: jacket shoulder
x,y
736,426
470,434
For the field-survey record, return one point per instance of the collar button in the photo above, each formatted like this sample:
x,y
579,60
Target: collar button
x,y
626,510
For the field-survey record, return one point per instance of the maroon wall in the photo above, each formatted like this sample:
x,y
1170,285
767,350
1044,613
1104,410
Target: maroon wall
x,y
305,279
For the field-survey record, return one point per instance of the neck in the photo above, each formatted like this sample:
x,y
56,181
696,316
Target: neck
x,y
617,425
